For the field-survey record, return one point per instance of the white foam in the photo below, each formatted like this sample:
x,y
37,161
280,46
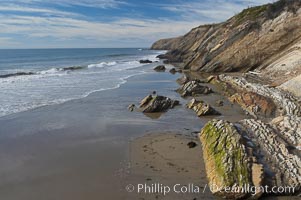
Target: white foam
x,y
47,87
102,64
50,71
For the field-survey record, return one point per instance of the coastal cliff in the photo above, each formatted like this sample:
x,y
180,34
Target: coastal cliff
x,y
263,43
256,38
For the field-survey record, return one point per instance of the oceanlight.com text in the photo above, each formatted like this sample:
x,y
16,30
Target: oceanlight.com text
x,y
158,188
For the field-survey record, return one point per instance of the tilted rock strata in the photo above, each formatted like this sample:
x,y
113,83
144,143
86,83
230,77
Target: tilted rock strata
x,y
152,104
183,79
201,108
226,159
287,166
193,88
290,127
254,103
254,38
288,123
285,101
294,85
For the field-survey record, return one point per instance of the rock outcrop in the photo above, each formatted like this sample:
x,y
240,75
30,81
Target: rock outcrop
x,y
267,102
254,104
286,165
160,68
184,79
174,70
201,108
252,39
227,161
152,104
193,88
265,42
131,107
145,61
286,103
293,85
275,143
250,152
290,129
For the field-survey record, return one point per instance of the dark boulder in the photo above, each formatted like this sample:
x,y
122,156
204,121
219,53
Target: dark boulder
x,y
160,68
173,71
152,104
193,88
73,68
145,61
16,74
162,56
191,144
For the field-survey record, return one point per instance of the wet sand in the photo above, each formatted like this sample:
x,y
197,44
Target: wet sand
x,y
165,158
82,149
79,149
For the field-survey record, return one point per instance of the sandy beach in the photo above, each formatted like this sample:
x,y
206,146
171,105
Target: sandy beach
x,y
84,148
150,100
80,149
94,148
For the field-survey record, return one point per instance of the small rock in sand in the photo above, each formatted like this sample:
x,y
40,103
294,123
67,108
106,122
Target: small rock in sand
x,y
191,144
131,107
219,103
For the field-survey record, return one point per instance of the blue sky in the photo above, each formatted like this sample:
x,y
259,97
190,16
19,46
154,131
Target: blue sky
x,y
106,23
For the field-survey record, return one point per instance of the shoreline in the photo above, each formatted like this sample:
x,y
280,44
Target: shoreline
x,y
32,87
79,149
249,115
107,139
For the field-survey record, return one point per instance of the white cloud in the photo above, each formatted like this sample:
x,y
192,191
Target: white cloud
x,y
61,27
86,3
79,28
26,9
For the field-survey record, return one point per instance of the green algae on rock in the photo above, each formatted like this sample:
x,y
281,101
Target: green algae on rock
x,y
227,162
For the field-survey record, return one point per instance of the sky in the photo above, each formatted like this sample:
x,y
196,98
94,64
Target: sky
x,y
107,23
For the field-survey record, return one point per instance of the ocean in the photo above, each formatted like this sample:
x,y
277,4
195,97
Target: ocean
x,y
31,78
